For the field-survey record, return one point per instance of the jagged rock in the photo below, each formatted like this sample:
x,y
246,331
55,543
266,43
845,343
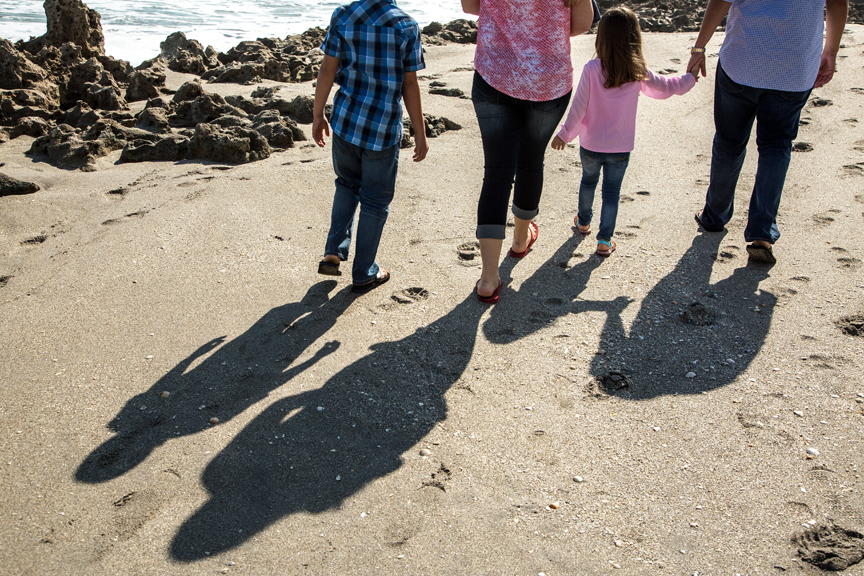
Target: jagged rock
x,y
10,186
81,116
460,31
160,102
203,109
17,104
171,148
187,56
4,136
30,126
435,126
452,92
122,117
232,121
69,21
145,83
264,92
19,72
120,70
188,91
249,73
274,128
303,108
231,145
65,148
104,97
74,84
153,119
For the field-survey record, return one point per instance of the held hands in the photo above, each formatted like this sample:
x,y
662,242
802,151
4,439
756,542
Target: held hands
x,y
558,143
320,127
696,65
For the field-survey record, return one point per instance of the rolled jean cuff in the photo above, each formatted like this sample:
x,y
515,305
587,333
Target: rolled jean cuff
x,y
491,231
524,214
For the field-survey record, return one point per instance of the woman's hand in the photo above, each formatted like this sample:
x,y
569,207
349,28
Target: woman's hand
x,y
558,143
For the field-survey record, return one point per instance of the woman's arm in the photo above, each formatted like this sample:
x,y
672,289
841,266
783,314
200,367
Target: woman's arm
x,y
581,15
471,7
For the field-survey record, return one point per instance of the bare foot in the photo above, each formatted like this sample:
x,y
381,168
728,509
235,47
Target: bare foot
x,y
487,286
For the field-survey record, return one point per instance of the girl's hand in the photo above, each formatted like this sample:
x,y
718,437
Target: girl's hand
x,y
558,143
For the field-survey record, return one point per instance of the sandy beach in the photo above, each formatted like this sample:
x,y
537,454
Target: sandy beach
x,y
185,395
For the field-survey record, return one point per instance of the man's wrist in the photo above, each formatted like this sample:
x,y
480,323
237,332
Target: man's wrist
x,y
697,50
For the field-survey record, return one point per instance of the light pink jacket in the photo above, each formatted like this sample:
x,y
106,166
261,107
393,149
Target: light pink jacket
x,y
603,118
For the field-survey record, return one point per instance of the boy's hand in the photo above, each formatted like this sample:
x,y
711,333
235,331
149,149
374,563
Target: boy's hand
x,y
558,143
421,147
320,127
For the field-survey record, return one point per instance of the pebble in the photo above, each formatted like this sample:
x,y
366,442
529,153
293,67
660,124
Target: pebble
x,y
619,543
616,566
425,452
150,357
812,452
554,505
798,413
578,479
320,408
690,375
656,428
165,394
860,394
214,420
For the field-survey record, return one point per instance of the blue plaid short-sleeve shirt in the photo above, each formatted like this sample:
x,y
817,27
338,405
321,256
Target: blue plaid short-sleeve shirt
x,y
376,44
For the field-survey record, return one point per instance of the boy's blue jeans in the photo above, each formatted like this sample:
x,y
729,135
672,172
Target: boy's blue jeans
x,y
367,177
777,114
614,165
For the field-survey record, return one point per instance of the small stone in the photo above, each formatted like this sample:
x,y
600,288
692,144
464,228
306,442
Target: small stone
x,y
214,420
619,543
338,478
164,394
860,394
694,525
554,505
578,479
616,566
798,413
320,408
690,375
150,357
812,452
425,452
656,428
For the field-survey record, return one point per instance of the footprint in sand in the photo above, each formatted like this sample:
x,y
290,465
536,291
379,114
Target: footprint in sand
x,y
820,102
804,121
625,234
858,90
802,147
851,120
859,145
838,249
786,292
112,221
822,219
118,192
668,71
854,169
468,251
625,198
643,193
724,256
849,263
852,325
4,280
801,278
38,239
410,295
859,198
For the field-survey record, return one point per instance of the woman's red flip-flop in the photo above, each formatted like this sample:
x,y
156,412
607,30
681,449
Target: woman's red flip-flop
x,y
492,298
535,232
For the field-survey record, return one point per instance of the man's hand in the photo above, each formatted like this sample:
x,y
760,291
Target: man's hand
x,y
827,66
558,143
320,127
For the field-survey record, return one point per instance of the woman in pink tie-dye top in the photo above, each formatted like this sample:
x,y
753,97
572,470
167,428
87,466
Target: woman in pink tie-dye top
x,y
522,85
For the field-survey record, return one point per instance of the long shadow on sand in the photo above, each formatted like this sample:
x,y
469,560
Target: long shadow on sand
x,y
223,385
311,451
683,318
689,335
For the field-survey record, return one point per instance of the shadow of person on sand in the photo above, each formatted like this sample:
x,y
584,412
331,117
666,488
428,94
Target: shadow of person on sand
x,y
311,451
543,298
223,385
689,335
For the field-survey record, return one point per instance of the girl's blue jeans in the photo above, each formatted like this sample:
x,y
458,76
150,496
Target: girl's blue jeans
x,y
614,165
365,177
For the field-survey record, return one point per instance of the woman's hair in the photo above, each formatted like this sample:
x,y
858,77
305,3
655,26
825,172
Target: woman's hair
x,y
619,47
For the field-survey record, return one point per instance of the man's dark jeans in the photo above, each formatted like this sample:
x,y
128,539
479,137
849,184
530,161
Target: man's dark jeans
x,y
777,114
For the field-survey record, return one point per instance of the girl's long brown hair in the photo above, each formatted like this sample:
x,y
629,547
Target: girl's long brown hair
x,y
619,47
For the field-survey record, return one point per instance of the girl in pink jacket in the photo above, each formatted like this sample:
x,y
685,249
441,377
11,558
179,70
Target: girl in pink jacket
x,y
603,116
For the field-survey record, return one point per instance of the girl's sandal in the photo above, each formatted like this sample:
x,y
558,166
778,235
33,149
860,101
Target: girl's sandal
x,y
584,230
605,249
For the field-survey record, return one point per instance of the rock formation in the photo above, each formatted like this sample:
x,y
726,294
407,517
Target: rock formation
x,y
10,186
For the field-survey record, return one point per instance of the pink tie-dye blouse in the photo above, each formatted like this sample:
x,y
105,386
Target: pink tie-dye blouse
x,y
523,48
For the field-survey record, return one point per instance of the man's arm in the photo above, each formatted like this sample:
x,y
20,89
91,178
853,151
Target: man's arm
x,y
836,12
714,14
411,95
581,16
326,77
471,7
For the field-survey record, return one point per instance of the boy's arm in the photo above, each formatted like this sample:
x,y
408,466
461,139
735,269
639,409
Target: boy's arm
x,y
326,77
471,7
411,95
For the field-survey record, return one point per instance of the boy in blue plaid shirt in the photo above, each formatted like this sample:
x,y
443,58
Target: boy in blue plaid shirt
x,y
372,50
